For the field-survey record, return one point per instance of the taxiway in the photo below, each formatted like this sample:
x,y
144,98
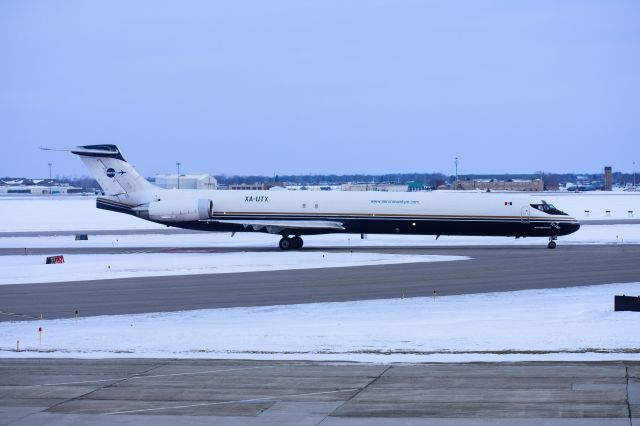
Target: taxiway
x,y
492,268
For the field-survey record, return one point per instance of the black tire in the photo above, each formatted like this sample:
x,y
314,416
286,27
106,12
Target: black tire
x,y
285,243
296,243
551,245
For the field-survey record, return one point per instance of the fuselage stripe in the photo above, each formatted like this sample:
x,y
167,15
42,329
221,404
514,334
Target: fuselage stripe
x,y
229,215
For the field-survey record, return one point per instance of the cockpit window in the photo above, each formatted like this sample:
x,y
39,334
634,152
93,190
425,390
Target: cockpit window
x,y
548,208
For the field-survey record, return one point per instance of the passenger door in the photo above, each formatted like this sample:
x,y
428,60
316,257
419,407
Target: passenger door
x,y
525,213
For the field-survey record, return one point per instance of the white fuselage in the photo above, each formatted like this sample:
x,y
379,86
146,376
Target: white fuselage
x,y
299,213
432,213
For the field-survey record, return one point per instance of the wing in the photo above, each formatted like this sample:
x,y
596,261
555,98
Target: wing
x,y
278,226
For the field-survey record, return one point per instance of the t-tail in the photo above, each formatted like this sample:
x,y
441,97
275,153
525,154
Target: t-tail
x,y
124,188
115,176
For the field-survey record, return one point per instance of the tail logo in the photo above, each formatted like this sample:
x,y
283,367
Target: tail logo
x,y
110,173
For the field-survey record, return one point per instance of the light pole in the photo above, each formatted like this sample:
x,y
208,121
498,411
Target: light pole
x,y
178,164
634,175
50,183
455,161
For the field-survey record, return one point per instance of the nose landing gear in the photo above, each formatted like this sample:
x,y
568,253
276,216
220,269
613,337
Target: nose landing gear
x,y
294,243
552,242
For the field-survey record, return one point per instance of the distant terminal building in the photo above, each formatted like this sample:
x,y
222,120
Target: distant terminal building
x,y
499,185
416,187
246,186
552,185
318,187
255,186
37,187
383,187
192,181
357,186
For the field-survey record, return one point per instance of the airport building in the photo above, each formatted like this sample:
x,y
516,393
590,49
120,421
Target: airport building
x,y
247,187
255,186
384,187
192,181
500,185
37,187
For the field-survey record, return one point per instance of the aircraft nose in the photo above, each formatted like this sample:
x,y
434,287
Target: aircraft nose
x,y
573,226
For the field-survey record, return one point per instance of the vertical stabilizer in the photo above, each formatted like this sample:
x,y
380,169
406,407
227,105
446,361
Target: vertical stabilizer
x,y
115,176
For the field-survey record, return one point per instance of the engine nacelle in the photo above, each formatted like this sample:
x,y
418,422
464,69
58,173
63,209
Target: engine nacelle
x,y
180,210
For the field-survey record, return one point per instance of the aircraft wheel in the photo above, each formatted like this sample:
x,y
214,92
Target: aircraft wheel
x,y
551,245
285,243
296,243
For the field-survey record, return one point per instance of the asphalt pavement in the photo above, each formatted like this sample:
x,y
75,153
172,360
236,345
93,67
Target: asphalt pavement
x,y
492,268
236,392
227,392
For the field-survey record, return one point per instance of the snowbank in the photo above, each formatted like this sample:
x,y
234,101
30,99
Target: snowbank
x,y
594,206
63,214
32,269
576,323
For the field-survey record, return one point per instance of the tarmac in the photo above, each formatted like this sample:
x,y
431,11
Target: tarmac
x,y
491,269
224,392
236,392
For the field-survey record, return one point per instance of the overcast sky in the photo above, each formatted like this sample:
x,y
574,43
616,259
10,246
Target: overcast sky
x,y
289,87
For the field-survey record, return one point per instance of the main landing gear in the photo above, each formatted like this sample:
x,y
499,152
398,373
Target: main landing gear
x,y
294,243
552,242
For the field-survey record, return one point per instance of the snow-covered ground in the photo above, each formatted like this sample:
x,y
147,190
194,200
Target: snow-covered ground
x,y
593,206
63,213
79,213
573,323
576,323
32,269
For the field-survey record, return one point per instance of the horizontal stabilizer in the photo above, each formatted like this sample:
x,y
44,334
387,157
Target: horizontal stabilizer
x,y
108,151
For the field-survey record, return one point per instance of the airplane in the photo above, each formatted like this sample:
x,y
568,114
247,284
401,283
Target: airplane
x,y
293,214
